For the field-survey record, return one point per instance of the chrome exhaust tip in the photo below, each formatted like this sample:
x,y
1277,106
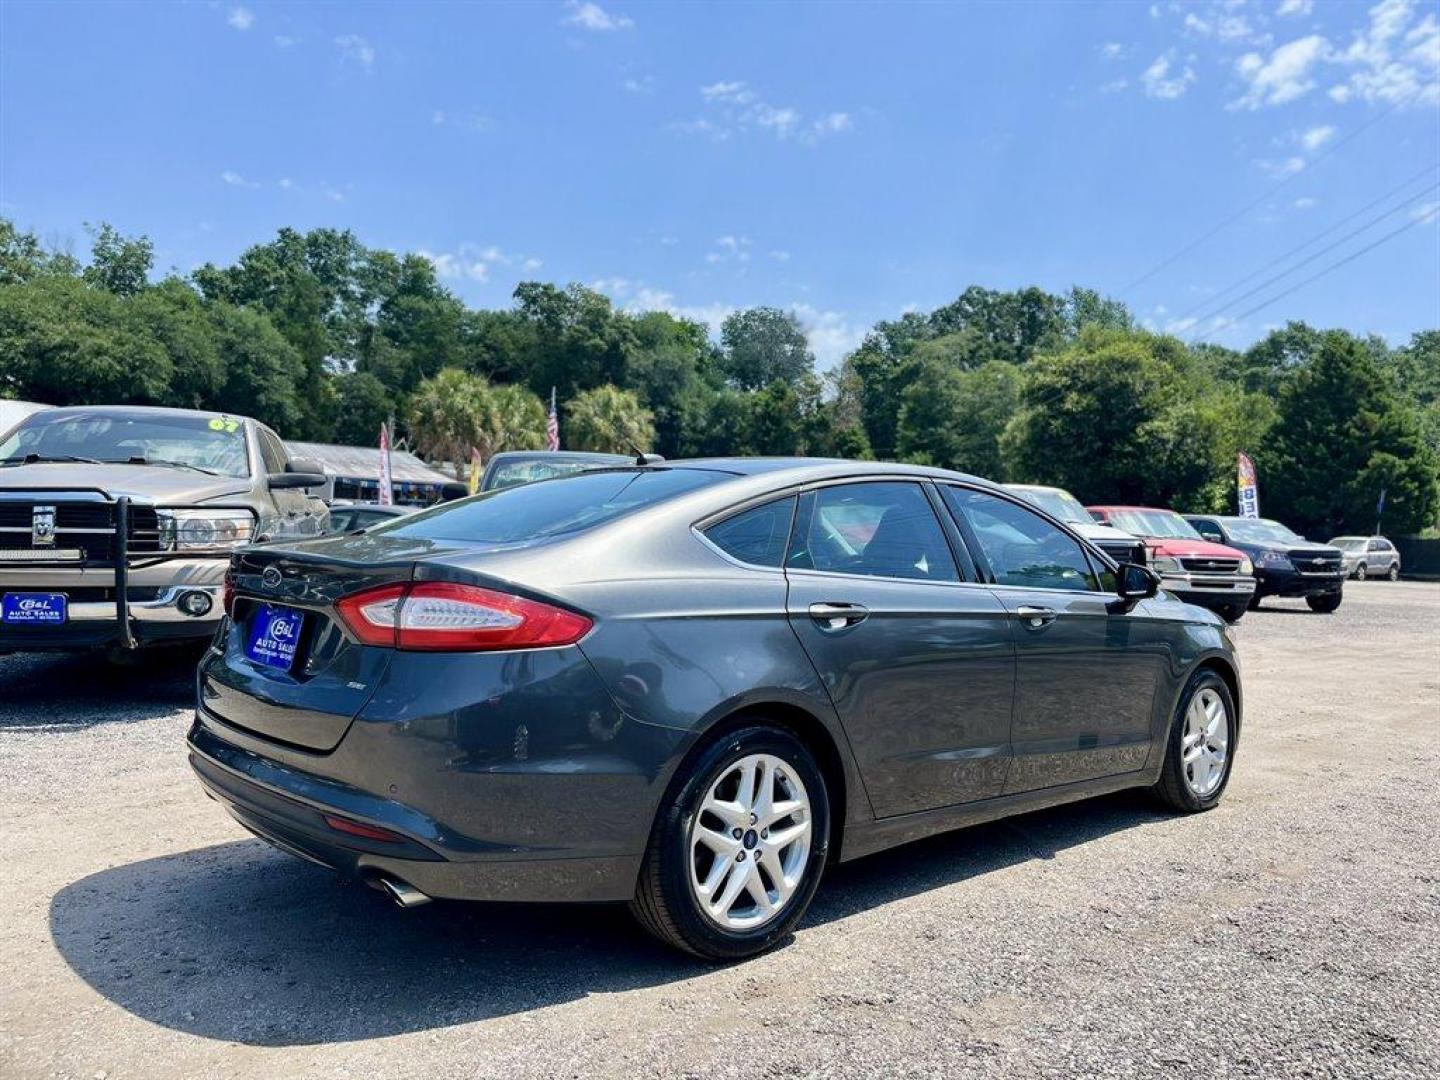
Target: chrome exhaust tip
x,y
405,895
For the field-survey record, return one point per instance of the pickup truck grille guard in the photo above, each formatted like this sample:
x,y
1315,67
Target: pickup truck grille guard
x,y
121,530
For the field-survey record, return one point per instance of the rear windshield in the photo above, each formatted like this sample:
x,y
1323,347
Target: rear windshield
x,y
550,508
1059,504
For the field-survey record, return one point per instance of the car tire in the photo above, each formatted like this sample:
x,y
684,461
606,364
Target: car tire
x,y
667,901
1393,573
1324,603
1178,786
1254,604
1233,613
1361,573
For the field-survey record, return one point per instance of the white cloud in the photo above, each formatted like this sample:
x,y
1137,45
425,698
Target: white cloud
x,y
477,263
729,249
1159,82
234,179
241,18
1288,72
286,183
1305,202
613,287
1112,50
453,266
1296,7
285,41
1114,86
589,16
709,315
780,256
1317,136
645,85
1392,60
1426,213
831,334
1278,170
737,108
355,48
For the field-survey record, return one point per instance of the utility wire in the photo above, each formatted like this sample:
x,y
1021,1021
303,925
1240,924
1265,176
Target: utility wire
x,y
1267,194
1421,220
1248,293
1301,247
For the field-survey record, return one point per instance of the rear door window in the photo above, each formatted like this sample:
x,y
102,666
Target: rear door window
x,y
757,536
880,529
550,508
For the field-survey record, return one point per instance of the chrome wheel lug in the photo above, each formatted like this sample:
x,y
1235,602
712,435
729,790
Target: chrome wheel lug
x,y
737,833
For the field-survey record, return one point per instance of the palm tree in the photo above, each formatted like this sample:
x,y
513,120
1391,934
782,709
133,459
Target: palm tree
x,y
610,420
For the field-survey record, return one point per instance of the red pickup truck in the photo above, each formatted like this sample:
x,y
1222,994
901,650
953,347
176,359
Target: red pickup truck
x,y
1196,570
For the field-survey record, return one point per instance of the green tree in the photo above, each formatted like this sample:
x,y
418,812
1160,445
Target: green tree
x,y
23,258
763,345
263,371
607,419
119,264
1107,418
363,403
1342,436
64,343
579,340
954,418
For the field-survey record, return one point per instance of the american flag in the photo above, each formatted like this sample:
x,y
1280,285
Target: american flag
x,y
552,426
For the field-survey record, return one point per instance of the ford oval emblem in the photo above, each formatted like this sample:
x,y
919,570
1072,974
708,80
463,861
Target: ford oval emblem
x,y
270,578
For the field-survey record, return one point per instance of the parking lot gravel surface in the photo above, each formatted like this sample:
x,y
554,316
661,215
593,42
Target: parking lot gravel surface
x,y
1294,931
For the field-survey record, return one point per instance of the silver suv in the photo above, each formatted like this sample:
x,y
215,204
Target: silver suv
x,y
117,523
1369,556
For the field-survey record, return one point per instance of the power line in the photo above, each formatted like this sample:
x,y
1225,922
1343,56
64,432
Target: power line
x,y
1302,246
1248,293
1267,194
1421,220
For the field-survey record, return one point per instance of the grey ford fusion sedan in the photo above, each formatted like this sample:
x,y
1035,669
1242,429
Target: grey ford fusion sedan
x,y
691,686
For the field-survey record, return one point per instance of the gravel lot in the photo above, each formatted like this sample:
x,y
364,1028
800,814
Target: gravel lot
x,y
1295,931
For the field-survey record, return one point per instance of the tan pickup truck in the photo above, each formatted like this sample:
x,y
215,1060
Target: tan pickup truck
x,y
117,523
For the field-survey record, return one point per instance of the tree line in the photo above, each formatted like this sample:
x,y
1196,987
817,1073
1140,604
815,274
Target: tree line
x,y
325,339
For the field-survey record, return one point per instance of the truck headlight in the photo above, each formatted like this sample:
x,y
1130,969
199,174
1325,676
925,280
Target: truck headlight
x,y
201,530
1274,560
1164,564
1246,566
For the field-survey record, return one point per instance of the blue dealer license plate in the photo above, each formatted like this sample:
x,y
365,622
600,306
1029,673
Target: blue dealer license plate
x,y
274,636
33,609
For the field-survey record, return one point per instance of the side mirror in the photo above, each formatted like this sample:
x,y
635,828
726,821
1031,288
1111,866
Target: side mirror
x,y
300,473
1134,583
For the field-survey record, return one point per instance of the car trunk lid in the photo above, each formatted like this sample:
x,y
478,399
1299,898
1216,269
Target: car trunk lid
x,y
307,695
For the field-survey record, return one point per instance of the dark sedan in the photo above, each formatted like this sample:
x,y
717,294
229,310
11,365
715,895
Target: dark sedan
x,y
1286,564
692,686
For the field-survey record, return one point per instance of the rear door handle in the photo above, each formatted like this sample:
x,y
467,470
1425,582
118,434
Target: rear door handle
x,y
1035,618
833,617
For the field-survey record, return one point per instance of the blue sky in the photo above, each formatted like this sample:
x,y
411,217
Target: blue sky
x,y
845,161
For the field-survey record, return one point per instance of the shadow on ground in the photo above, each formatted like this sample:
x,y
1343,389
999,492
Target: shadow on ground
x,y
68,690
239,942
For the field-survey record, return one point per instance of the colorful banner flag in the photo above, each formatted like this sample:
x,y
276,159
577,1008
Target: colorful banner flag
x,y
387,497
552,425
1247,488
475,465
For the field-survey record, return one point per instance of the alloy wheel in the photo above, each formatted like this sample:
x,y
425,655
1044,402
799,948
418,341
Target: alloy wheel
x,y
749,843
1205,745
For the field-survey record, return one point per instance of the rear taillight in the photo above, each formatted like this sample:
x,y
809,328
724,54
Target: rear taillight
x,y
445,616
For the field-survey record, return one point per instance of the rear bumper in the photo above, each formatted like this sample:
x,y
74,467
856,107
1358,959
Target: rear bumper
x,y
286,807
